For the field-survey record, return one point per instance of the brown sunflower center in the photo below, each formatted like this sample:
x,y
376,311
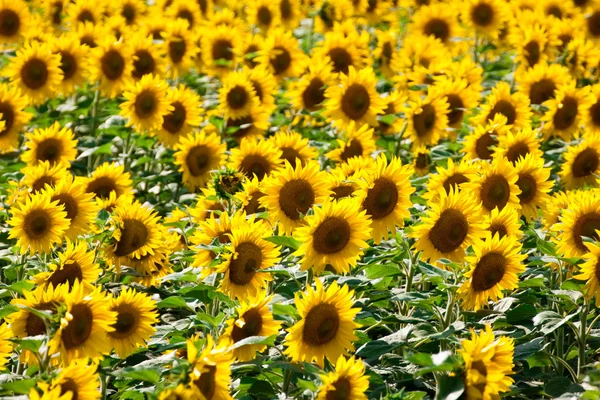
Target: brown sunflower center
x,y
585,163
253,205
424,121
222,50
321,325
89,41
9,22
352,149
143,64
41,183
341,59
482,14
145,103
34,73
281,60
250,55
134,235
449,232
57,8
244,125
342,390
542,91
356,101
67,273
532,53
198,160
595,113
597,269
332,235
381,198
437,27
593,23
483,146
8,116
255,164
173,122
86,16
244,266
127,321
341,191
237,97
68,65
177,49
48,150
70,386
187,15
285,9
34,325
499,229
423,161
252,326
258,89
264,16
290,155
296,197
79,328
586,225
457,106
206,382
102,186
453,181
489,271
528,186
112,64
565,116
495,192
314,94
37,224
517,151
505,108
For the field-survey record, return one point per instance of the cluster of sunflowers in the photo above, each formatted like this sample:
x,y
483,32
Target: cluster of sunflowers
x,y
210,186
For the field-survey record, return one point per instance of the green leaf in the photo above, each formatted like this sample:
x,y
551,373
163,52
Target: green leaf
x,y
145,375
376,348
382,270
21,286
263,340
549,321
22,386
30,344
557,386
450,388
285,241
523,312
7,310
173,302
533,282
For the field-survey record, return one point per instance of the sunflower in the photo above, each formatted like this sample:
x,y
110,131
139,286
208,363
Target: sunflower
x,y
534,43
82,331
582,162
111,66
454,175
591,117
488,364
427,119
255,158
344,52
326,329
497,186
394,102
358,167
566,111
262,14
252,126
147,57
146,103
25,323
38,224
6,346
39,177
289,13
181,392
503,223
53,10
516,145
251,45
47,394
188,11
439,22
253,319
53,144
212,370
180,47
13,116
540,82
237,97
107,179
197,155
347,381
183,118
354,100
460,98
341,186
206,204
293,147
486,17
80,380
590,272
249,196
133,327
73,62
135,233
492,269
481,143
90,35
329,13
419,52
308,93
358,143
559,202
421,161
14,21
291,192
581,218
334,235
383,54
515,107
220,50
452,224
36,72
385,196
82,11
534,182
281,54
76,265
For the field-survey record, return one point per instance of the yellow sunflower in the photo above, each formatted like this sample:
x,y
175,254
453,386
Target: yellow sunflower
x,y
515,107
80,380
452,224
197,155
330,13
13,116
249,196
6,346
486,17
559,202
492,269
38,224
385,196
335,235
439,22
534,182
481,143
281,54
426,119
290,13
146,103
461,98
540,82
109,178
212,370
14,21
237,97
185,10
566,111
357,143
590,272
252,126
47,394
293,147
255,158
133,327
533,42
308,93
82,11
36,72
581,164
111,66
326,330
206,204
384,53
354,100
394,103
73,62
90,35
186,114
291,192
504,223
344,52
591,118
55,145
263,14
496,186
147,57
253,319
220,50
514,146
82,331
581,218
347,381
454,175
76,265
421,161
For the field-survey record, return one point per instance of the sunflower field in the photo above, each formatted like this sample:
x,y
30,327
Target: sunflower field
x,y
299,199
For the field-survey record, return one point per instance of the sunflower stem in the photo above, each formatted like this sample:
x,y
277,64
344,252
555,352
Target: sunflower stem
x,y
287,378
582,337
309,277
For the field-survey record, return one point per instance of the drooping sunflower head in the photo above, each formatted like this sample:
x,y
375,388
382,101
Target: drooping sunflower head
x,y
326,329
76,265
250,195
55,145
421,161
347,381
146,103
581,165
255,158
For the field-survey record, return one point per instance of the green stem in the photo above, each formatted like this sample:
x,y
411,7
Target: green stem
x,y
582,337
287,378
